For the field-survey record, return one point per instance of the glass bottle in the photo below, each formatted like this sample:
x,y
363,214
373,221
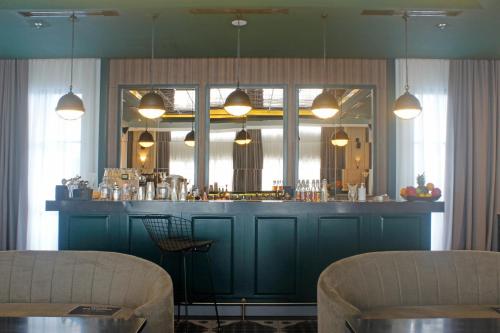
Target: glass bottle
x,y
275,187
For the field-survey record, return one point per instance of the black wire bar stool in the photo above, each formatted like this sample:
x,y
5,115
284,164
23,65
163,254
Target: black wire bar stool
x,y
175,234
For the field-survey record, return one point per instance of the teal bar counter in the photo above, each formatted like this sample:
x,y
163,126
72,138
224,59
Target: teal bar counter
x,y
263,251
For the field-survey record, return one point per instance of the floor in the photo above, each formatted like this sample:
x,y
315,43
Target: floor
x,y
251,325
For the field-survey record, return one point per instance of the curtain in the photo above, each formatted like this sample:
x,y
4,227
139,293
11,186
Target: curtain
x,y
58,148
221,158
473,165
248,163
181,156
310,152
13,153
272,151
331,158
421,142
163,151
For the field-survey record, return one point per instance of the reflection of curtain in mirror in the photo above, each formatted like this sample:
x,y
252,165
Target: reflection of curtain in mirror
x,y
247,164
309,157
181,156
221,158
163,151
272,150
328,155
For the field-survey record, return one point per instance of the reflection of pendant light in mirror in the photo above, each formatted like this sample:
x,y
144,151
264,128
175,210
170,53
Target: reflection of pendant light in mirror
x,y
143,154
407,106
340,138
243,137
70,106
146,139
238,102
152,105
325,105
189,140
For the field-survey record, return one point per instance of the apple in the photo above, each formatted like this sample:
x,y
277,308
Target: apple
x,y
411,191
436,192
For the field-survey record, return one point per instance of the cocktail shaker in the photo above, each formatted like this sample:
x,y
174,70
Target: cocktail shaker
x,y
141,193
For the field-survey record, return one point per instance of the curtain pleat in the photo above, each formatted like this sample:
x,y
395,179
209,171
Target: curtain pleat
x,y
473,161
332,158
248,161
13,153
163,151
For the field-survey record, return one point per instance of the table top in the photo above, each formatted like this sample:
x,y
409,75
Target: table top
x,y
70,325
431,325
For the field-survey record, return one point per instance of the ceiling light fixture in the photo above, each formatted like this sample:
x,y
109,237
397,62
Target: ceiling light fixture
x,y
407,106
146,139
238,102
70,106
152,105
66,13
325,105
243,137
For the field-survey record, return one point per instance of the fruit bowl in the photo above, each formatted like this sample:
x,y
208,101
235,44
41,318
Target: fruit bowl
x,y
423,191
415,198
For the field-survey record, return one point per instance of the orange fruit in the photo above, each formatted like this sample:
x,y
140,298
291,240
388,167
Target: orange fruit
x,y
430,186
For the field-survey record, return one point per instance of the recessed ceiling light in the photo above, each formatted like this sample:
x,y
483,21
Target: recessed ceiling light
x,y
442,26
39,24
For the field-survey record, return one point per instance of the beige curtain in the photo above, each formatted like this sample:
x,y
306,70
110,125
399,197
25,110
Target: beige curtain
x,y
331,159
473,165
13,153
248,162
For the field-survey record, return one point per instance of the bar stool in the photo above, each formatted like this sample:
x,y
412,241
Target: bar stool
x,y
175,234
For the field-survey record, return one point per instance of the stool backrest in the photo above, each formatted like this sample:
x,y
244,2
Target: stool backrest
x,y
170,233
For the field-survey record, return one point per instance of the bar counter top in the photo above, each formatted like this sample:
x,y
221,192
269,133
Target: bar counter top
x,y
227,206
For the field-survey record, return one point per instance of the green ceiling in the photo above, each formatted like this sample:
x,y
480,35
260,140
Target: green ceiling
x,y
474,34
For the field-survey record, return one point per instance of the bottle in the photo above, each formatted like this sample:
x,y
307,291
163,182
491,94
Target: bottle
x,y
303,190
275,187
362,192
297,191
280,185
116,192
324,191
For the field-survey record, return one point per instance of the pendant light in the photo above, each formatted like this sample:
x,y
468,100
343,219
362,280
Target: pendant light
x,y
146,139
238,102
70,106
325,105
189,140
152,105
243,137
340,138
407,106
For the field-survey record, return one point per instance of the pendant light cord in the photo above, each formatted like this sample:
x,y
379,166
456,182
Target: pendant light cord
x,y
405,17
238,55
152,50
325,73
73,19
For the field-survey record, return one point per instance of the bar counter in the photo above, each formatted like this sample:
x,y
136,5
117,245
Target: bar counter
x,y
265,251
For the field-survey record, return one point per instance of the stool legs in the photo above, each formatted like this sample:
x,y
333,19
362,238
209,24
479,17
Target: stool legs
x,y
186,314
212,288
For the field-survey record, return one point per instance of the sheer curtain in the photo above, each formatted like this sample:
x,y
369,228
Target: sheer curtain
x,y
181,156
309,152
272,148
58,148
221,158
421,143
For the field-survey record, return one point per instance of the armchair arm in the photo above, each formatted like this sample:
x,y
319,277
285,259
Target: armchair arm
x,y
333,310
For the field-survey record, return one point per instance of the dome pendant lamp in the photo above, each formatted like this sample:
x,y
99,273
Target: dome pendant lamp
x,y
238,102
242,137
152,105
189,140
146,139
407,106
325,105
70,106
340,138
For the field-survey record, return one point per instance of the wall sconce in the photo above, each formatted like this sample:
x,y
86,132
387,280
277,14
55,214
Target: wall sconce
x,y
357,159
358,143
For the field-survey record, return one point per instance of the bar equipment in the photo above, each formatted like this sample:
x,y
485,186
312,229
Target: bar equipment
x,y
150,191
141,193
177,185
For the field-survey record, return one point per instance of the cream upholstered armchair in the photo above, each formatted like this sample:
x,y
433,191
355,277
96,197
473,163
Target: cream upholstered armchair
x,y
410,284
52,283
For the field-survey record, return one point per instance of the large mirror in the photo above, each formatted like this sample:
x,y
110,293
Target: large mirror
x,y
318,157
173,150
256,165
